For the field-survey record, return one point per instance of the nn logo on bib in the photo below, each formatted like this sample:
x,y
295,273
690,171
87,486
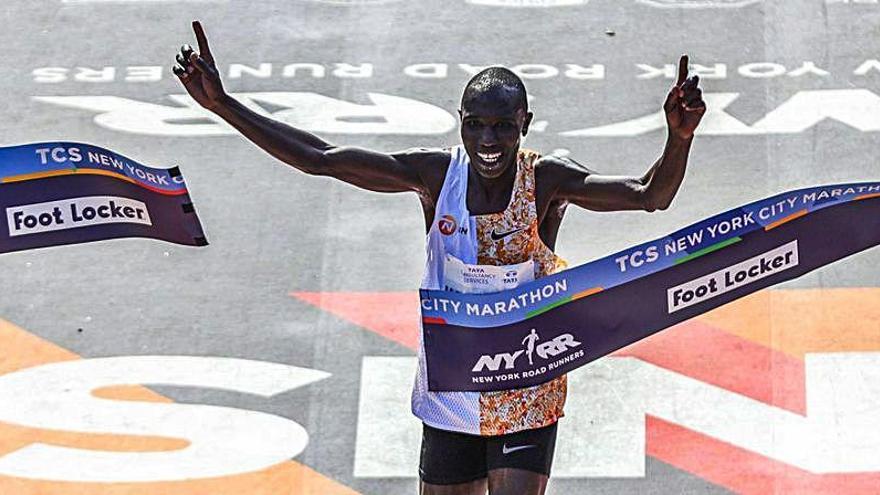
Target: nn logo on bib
x,y
447,225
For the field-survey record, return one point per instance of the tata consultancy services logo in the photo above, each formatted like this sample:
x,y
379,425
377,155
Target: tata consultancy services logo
x,y
447,224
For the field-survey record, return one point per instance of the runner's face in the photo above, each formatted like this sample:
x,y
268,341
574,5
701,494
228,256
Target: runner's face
x,y
491,127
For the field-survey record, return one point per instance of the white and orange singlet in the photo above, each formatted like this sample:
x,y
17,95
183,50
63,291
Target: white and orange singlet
x,y
457,245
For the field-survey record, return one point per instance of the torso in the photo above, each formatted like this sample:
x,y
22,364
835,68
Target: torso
x,y
505,232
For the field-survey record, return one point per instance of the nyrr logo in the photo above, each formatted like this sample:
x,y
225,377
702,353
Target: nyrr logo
x,y
545,350
447,226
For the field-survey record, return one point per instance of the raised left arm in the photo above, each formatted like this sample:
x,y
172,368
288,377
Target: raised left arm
x,y
684,107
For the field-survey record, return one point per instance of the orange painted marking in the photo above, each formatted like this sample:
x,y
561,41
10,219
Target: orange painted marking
x,y
393,315
787,219
289,478
14,437
798,321
753,346
21,349
588,292
733,363
792,322
741,470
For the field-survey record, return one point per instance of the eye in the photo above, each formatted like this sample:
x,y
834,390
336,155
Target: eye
x,y
473,124
505,127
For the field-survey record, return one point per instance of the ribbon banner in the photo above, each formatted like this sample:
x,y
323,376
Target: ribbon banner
x,y
59,193
540,330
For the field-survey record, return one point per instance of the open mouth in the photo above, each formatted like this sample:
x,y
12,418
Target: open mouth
x,y
490,158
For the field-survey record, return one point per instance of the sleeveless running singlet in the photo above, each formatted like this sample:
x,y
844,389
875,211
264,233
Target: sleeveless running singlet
x,y
486,253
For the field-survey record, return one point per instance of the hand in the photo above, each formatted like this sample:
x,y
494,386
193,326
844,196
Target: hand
x,y
684,105
198,73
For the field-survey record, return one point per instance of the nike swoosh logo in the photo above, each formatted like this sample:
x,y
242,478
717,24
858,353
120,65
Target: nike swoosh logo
x,y
496,236
507,450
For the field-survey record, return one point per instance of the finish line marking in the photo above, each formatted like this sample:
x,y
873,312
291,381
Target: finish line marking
x,y
142,1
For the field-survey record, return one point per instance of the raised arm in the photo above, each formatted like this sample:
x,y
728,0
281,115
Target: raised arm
x,y
684,107
382,172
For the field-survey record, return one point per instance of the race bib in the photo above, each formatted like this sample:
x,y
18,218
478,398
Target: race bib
x,y
481,279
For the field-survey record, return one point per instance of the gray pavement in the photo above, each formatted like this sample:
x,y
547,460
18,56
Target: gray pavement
x,y
274,231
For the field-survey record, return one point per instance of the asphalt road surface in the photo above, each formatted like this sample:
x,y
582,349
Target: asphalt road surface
x,y
319,276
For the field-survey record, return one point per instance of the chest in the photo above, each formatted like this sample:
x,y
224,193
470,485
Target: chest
x,y
482,200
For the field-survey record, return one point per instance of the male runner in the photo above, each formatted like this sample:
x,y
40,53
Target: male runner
x,y
485,203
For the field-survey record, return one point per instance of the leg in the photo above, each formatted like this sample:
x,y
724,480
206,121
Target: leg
x,y
511,481
452,463
476,487
519,463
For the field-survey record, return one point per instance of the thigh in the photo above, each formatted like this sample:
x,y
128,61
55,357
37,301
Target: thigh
x,y
529,450
511,481
519,463
476,487
450,458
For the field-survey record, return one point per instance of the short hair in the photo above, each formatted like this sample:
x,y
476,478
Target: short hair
x,y
495,79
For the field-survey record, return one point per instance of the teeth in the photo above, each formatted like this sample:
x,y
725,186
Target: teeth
x,y
489,157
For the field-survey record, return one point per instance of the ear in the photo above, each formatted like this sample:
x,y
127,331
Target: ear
x,y
526,122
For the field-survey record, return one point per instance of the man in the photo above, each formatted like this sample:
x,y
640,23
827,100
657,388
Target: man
x,y
490,209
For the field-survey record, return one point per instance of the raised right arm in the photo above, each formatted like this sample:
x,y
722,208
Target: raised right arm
x,y
367,169
410,170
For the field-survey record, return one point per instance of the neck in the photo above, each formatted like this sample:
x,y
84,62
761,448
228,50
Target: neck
x,y
487,195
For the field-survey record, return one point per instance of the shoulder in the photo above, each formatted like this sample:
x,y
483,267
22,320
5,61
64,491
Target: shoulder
x,y
554,168
563,163
431,165
427,161
424,156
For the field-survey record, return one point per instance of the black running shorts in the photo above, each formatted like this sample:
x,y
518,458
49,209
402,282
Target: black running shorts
x,y
449,458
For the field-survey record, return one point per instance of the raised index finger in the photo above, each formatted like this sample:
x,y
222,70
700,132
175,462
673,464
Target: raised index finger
x,y
682,70
204,50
